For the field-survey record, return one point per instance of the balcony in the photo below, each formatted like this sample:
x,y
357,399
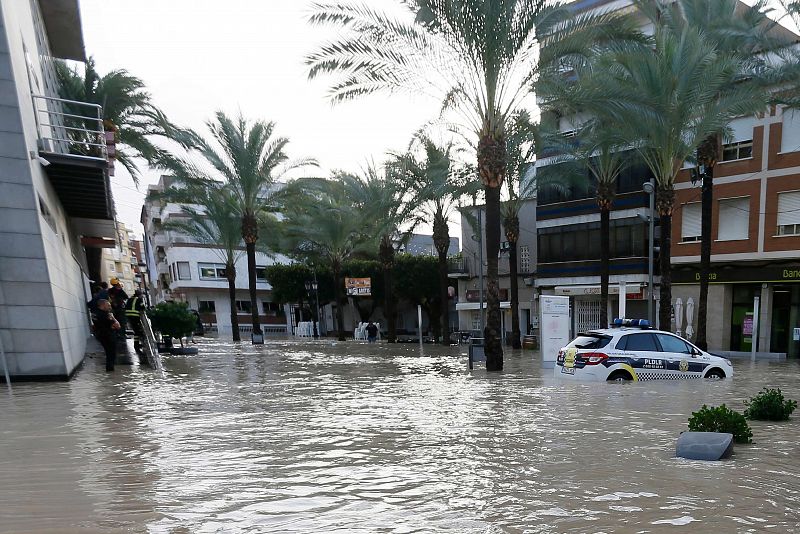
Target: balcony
x,y
72,147
457,267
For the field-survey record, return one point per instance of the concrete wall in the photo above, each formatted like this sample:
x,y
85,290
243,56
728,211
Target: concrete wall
x,y
718,330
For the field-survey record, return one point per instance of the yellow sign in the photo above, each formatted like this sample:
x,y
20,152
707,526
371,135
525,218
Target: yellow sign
x,y
569,357
358,287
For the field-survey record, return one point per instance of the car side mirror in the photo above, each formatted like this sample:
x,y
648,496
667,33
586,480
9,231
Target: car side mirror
x,y
696,352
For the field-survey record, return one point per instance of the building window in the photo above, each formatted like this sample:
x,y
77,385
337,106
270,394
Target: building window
x,y
476,320
243,306
111,268
184,273
212,271
789,213
525,259
690,222
206,306
581,242
261,274
734,219
47,215
790,132
126,269
741,142
271,308
734,151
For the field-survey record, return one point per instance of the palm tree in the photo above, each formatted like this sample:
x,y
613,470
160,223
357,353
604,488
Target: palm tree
x,y
323,224
128,111
479,58
246,157
437,184
212,219
667,101
743,33
380,197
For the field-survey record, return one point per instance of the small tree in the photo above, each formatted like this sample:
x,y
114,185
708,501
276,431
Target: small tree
x,y
173,319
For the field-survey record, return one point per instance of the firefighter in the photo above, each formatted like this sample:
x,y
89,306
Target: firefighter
x,y
133,308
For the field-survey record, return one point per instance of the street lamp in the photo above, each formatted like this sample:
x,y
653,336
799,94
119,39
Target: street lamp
x,y
650,188
312,288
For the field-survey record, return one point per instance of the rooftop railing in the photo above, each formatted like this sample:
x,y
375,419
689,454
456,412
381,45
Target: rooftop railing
x,y
70,127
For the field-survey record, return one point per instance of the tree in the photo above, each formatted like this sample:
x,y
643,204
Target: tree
x,y
246,157
173,319
666,101
128,111
417,283
437,184
323,225
380,196
479,58
212,219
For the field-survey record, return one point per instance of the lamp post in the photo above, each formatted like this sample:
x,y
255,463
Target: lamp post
x,y
650,189
312,288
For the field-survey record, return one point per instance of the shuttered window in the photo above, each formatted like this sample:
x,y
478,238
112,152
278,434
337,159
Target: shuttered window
x,y
690,222
741,145
789,213
790,136
734,219
742,129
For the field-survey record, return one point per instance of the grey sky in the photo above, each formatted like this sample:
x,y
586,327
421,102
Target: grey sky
x,y
197,56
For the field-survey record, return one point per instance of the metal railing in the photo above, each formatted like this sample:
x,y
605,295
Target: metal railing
x,y
70,127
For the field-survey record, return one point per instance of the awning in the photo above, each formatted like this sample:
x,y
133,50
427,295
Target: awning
x,y
613,289
475,306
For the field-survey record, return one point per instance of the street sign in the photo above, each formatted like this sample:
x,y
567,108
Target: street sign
x,y
358,287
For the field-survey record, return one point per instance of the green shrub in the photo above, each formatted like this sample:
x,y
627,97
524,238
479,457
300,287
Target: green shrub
x,y
769,405
721,419
173,319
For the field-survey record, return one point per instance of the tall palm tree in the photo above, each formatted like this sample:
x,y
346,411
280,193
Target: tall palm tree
x,y
128,111
323,224
380,195
212,219
744,33
479,58
667,101
251,161
437,184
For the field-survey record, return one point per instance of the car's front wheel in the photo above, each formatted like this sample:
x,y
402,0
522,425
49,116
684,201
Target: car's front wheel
x,y
620,376
716,374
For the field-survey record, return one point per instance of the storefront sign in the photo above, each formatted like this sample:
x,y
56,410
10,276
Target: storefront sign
x,y
732,274
474,295
747,324
632,292
358,287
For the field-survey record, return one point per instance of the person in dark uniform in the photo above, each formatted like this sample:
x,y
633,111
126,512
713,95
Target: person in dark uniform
x,y
105,331
133,308
372,332
118,297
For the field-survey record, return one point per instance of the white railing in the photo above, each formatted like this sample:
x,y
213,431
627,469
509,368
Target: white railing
x,y
70,127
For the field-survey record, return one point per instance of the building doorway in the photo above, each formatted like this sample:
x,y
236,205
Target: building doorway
x,y
785,301
589,315
742,316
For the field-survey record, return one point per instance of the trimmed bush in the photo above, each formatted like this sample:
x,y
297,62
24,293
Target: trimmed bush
x,y
172,319
769,405
721,419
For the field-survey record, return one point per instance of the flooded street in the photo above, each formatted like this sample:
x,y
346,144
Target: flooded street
x,y
325,437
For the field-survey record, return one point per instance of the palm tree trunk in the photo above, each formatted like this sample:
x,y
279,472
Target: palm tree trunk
x,y
230,272
665,199
386,253
251,275
441,240
513,272
493,346
605,258
707,155
338,283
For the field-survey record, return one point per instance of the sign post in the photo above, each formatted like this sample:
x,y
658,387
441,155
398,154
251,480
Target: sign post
x,y
754,335
554,326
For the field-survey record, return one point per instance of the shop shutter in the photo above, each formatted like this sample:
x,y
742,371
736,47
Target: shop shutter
x,y
742,129
690,225
734,219
790,138
789,207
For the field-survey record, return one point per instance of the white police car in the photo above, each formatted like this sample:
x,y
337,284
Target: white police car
x,y
632,350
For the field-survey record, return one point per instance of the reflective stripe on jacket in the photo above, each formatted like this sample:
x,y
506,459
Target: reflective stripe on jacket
x,y
133,307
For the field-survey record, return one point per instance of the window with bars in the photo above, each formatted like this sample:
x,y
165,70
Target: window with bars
x,y
525,259
789,213
690,222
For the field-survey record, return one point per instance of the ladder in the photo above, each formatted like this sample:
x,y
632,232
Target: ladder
x,y
149,344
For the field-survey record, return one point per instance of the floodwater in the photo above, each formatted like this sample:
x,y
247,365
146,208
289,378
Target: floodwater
x,y
327,437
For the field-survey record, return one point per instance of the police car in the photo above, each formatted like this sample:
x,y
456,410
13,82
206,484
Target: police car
x,y
632,350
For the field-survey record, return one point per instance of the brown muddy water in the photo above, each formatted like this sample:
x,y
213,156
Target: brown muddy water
x,y
325,437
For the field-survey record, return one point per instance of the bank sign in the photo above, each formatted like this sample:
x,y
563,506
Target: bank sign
x,y
358,287
727,275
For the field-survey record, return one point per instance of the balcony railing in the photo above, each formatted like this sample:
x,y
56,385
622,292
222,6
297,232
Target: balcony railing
x,y
457,266
69,127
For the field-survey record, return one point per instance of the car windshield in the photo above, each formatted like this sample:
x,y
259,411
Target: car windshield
x,y
590,341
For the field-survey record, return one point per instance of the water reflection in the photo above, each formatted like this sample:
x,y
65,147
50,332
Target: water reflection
x,y
320,436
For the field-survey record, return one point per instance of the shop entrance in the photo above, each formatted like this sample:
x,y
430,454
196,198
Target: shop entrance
x,y
785,301
742,316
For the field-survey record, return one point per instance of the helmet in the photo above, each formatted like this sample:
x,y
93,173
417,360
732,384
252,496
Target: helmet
x,y
114,281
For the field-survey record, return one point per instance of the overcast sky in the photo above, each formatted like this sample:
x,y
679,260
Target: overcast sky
x,y
197,56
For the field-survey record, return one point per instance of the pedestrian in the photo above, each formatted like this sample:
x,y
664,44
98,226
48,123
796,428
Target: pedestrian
x,y
372,332
105,328
133,309
118,297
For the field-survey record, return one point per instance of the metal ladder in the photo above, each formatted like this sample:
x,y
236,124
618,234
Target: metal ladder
x,y
149,344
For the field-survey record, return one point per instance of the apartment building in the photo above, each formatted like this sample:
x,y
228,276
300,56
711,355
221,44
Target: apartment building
x,y
184,270
755,250
120,262
56,208
465,271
